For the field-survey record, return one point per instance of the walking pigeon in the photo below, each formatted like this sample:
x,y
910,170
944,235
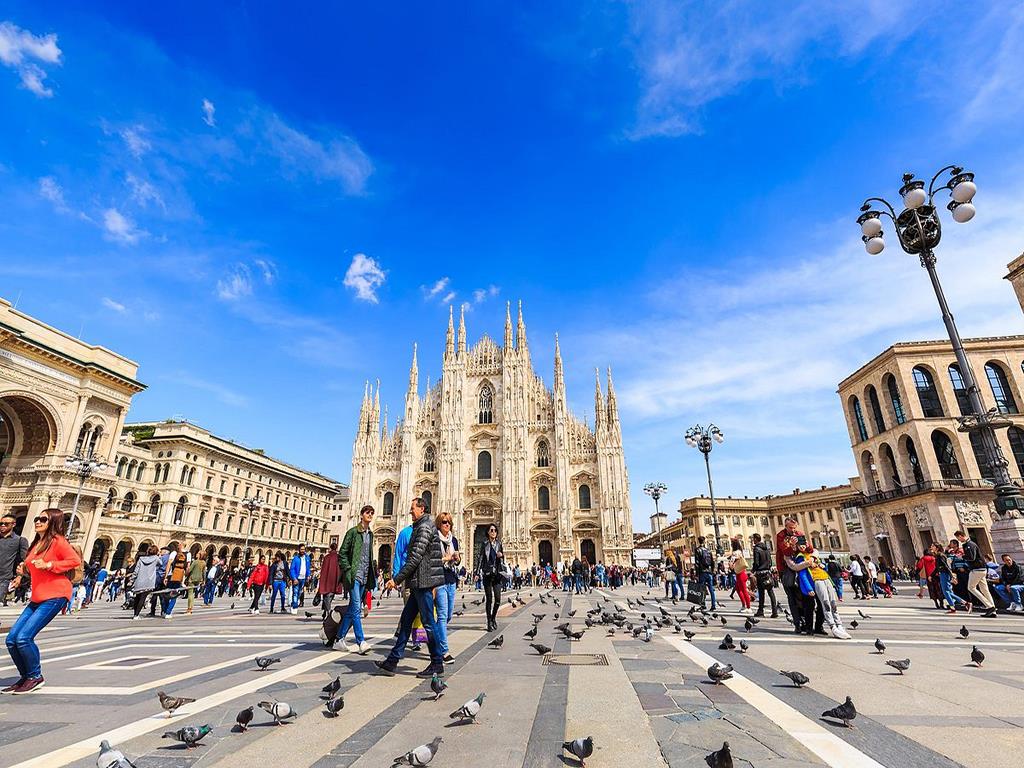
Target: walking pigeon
x,y
862,614
112,758
748,625
799,678
422,755
743,646
264,662
879,646
309,614
540,648
335,705
538,617
717,673
964,631
575,635
190,735
845,712
854,624
332,687
279,710
901,665
469,710
977,656
243,718
580,748
531,633
171,703
721,758
572,613
496,642
437,685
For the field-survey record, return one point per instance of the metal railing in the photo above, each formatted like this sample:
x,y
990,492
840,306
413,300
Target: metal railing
x,y
946,484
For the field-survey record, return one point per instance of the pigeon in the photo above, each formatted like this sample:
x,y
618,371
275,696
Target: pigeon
x,y
845,712
496,642
332,687
722,618
112,758
478,602
531,633
538,617
190,735
458,613
543,601
743,646
854,624
799,678
646,635
572,613
862,614
717,673
576,635
279,710
555,600
231,607
243,718
335,705
964,632
264,662
309,614
469,710
540,648
437,685
902,665
689,635
611,632
879,646
580,748
422,755
629,603
721,758
977,656
563,628
171,703
748,625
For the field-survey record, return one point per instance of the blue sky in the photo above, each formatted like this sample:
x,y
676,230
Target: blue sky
x,y
259,205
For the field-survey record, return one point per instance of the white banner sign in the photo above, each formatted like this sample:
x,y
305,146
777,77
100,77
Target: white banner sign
x,y
646,554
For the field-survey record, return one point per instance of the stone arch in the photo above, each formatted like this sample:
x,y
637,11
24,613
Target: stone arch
x,y
147,543
124,549
34,427
101,550
195,549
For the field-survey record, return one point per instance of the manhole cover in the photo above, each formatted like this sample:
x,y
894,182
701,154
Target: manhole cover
x,y
577,659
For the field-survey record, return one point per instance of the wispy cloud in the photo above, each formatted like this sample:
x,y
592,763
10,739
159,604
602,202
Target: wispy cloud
x,y
364,276
430,291
236,284
143,192
219,391
268,270
24,52
208,110
115,306
337,158
120,228
50,190
134,138
481,295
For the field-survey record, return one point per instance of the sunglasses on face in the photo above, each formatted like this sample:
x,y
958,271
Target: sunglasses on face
x,y
6,523
42,519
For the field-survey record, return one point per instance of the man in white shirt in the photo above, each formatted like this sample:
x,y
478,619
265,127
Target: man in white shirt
x,y
872,575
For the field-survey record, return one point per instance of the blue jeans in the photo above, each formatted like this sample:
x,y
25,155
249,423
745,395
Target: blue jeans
x,y
297,588
278,589
680,585
838,583
445,601
708,580
21,637
946,585
1011,594
173,598
420,601
208,591
354,615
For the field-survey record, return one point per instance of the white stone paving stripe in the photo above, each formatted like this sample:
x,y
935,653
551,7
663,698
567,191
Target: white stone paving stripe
x,y
822,742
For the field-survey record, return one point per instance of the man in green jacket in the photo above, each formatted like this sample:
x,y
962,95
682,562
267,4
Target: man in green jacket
x,y
194,578
358,572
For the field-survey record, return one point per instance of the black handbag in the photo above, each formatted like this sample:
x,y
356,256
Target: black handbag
x,y
695,592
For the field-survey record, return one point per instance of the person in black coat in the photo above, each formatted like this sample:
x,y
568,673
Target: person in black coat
x,y
492,557
762,568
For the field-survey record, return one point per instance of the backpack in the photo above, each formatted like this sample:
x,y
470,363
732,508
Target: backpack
x,y
704,559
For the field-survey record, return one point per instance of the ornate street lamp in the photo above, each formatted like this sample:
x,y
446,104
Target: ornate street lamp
x,y
84,467
919,231
656,491
251,504
703,439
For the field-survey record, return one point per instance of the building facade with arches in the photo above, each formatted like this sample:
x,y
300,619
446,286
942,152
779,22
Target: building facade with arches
x,y
490,443
922,479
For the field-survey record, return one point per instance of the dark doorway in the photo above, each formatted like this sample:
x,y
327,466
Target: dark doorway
x,y
384,558
927,537
981,538
99,552
588,551
545,553
903,540
885,549
120,555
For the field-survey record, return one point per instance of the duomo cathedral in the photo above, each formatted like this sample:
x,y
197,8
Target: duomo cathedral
x,y
489,443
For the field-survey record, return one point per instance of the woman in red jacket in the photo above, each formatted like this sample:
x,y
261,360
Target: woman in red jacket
x,y
257,581
51,564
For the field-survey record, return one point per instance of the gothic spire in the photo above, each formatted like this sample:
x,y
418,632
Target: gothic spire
x,y
521,344
599,405
508,325
559,376
449,346
613,408
462,330
414,373
386,431
364,410
376,411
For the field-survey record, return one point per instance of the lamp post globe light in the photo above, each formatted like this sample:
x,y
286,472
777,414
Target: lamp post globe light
x,y
704,439
251,504
656,491
919,230
83,466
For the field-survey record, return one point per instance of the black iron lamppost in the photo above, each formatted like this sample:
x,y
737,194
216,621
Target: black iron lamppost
x,y
703,439
656,491
251,504
84,467
919,231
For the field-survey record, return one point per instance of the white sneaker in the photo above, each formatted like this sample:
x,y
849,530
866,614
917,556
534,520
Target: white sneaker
x,y
840,633
341,645
167,615
136,618
364,648
256,612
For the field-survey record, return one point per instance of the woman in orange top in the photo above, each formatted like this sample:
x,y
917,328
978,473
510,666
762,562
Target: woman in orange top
x,y
51,563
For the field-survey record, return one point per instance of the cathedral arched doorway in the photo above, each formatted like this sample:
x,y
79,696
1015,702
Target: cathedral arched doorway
x,y
384,558
545,553
100,550
588,550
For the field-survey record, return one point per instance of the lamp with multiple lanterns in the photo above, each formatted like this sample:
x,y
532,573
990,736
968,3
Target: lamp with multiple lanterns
x,y
703,439
84,466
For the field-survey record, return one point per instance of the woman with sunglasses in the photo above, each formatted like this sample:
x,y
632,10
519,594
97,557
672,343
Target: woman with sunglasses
x,y
491,559
51,563
444,595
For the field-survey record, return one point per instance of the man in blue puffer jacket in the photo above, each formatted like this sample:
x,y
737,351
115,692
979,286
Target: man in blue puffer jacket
x,y
299,572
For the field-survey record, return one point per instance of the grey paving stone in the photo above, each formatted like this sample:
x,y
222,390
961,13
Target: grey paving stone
x,y
12,731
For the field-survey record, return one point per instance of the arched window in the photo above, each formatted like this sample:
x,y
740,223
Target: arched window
x,y
263,528
914,461
94,441
139,471
1000,388
428,499
154,506
121,465
156,473
892,466
167,470
876,410
131,469
429,460
483,466
926,392
179,510
202,519
584,497
946,456
486,404
978,447
83,436
543,454
543,498
184,472
895,399
388,508
216,520
858,418
1016,435
963,402
128,502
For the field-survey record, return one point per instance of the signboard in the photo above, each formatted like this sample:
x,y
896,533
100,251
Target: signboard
x,y
646,554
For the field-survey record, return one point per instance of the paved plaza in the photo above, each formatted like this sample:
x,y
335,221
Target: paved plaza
x,y
645,704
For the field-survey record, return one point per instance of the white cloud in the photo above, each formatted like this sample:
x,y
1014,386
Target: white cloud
x,y
448,298
482,294
135,139
116,306
364,275
338,159
50,190
219,391
267,269
144,193
20,50
430,291
208,110
236,284
120,228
